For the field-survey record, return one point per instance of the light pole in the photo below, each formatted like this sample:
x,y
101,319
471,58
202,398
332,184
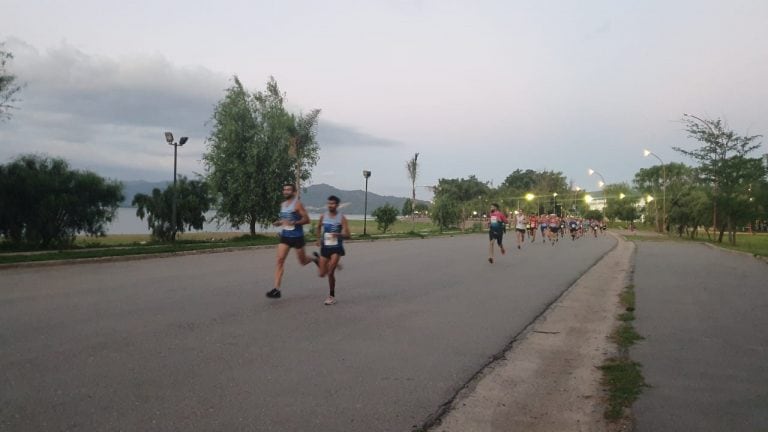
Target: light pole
x,y
647,153
182,141
366,174
554,197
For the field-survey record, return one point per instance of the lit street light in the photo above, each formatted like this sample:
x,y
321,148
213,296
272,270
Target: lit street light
x,y
647,153
366,174
182,141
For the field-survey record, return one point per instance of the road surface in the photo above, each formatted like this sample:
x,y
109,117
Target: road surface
x,y
191,343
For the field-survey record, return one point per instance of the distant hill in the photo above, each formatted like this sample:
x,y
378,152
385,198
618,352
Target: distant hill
x,y
352,202
314,197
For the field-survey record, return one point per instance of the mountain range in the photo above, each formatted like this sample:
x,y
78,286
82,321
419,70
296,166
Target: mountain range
x,y
314,197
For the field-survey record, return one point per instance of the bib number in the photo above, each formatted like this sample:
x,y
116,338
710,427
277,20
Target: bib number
x,y
494,220
330,239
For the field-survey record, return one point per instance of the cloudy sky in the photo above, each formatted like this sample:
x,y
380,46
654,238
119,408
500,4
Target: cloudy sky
x,y
480,87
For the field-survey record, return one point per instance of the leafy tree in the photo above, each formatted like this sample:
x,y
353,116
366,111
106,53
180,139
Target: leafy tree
x,y
385,216
725,165
412,166
46,203
445,213
193,201
407,207
679,179
255,148
594,214
619,203
462,192
8,86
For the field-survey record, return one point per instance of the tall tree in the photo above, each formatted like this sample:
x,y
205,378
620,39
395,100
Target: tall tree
x,y
8,86
255,148
412,166
725,165
461,192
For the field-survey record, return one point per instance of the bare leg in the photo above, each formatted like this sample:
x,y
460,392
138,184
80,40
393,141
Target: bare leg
x,y
490,251
332,264
282,253
302,256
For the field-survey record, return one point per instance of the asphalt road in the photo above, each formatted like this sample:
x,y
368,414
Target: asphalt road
x,y
704,313
191,343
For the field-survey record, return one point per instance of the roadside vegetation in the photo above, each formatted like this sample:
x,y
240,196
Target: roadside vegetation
x,y
621,376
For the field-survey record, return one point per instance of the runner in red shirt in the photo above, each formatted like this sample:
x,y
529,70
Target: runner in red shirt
x,y
496,226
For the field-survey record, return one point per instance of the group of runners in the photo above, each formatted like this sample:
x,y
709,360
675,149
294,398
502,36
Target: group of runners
x,y
552,227
332,229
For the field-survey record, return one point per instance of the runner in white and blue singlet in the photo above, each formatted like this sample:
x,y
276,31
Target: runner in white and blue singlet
x,y
332,229
293,217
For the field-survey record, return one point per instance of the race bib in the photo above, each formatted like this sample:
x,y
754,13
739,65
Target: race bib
x,y
288,227
494,220
330,240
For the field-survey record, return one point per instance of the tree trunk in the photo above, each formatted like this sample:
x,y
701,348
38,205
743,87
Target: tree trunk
x,y
252,224
722,231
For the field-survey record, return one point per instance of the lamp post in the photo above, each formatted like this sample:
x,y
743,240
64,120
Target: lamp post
x,y
182,141
554,197
366,174
647,153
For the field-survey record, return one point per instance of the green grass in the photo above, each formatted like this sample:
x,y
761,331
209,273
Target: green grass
x,y
625,382
117,245
622,376
756,244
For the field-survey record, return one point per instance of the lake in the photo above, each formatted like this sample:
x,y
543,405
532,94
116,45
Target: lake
x,y
128,223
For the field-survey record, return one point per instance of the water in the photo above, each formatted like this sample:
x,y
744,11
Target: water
x,y
128,223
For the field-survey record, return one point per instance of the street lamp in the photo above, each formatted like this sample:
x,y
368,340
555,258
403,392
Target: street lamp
x,y
366,174
554,197
647,153
182,141
600,183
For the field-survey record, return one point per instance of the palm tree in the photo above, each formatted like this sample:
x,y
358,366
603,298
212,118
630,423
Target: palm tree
x,y
413,170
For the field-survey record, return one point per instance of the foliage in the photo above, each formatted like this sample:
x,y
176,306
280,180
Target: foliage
x,y
8,86
446,213
725,165
594,214
193,200
617,207
385,216
407,210
45,203
255,148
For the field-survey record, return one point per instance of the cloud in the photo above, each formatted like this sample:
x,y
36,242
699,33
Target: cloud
x,y
109,114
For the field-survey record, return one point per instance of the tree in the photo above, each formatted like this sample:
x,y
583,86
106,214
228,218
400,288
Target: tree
x,y
304,147
385,216
255,148
46,203
594,214
407,207
725,165
412,166
445,213
461,192
8,86
679,179
619,203
193,201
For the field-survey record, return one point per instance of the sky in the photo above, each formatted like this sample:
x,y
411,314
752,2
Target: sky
x,y
475,87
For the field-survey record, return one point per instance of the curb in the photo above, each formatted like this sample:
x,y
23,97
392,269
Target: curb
x,y
738,252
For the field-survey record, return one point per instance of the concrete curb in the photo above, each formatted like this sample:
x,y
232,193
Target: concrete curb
x,y
738,252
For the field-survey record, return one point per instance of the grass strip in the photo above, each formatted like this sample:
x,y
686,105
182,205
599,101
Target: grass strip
x,y
625,382
622,376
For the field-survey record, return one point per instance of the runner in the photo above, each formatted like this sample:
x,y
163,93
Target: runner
x,y
532,227
332,229
520,224
544,226
554,228
574,227
496,227
293,217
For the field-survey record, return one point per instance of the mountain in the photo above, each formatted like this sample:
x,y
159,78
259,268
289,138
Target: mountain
x,y
352,202
314,197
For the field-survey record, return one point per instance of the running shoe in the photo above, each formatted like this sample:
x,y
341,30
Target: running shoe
x,y
330,301
490,260
503,251
316,258
275,293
